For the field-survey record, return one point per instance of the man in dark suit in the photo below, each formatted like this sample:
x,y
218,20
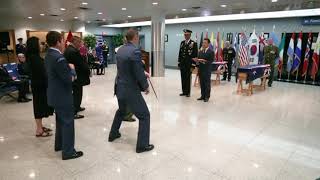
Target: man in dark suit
x,y
188,50
73,56
130,81
20,47
205,58
59,92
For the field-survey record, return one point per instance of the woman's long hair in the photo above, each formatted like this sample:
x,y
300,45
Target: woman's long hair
x,y
33,48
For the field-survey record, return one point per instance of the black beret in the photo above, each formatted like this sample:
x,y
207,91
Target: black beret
x,y
187,31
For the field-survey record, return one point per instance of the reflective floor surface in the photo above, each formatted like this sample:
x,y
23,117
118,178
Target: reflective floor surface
x,y
271,135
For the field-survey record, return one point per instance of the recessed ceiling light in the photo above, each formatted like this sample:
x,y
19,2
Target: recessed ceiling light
x,y
183,9
99,13
103,19
62,9
155,3
88,21
129,16
223,5
274,1
84,3
29,17
123,9
61,20
76,17
42,14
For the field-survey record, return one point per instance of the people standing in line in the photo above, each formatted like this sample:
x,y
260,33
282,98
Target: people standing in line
x,y
188,50
130,82
228,55
73,56
205,59
39,84
60,78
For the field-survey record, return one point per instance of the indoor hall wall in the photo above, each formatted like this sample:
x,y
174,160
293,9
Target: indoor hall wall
x,y
175,34
95,29
21,25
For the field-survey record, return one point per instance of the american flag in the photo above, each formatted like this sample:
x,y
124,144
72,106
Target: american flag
x,y
306,56
243,55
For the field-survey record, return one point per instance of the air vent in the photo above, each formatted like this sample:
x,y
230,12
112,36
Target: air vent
x,y
54,15
98,20
196,7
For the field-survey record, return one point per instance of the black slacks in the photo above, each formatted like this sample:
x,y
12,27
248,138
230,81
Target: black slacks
x,y
185,79
205,83
64,137
139,108
77,97
229,65
22,85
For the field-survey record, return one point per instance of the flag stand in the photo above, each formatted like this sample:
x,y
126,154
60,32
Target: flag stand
x,y
288,76
297,76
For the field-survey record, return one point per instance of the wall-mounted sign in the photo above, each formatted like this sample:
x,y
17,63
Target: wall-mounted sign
x,y
311,21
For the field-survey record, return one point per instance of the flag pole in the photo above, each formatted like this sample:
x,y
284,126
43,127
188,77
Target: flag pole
x,y
297,75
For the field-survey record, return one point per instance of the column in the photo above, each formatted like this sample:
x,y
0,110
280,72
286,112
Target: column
x,y
157,44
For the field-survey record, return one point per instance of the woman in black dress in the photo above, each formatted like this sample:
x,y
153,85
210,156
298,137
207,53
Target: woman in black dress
x,y
39,86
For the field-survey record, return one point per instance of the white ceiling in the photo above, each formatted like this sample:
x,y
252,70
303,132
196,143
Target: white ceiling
x,y
139,9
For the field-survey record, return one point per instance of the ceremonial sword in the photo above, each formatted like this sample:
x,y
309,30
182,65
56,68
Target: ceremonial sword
x,y
153,88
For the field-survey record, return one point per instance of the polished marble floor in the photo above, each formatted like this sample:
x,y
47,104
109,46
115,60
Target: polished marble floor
x,y
271,135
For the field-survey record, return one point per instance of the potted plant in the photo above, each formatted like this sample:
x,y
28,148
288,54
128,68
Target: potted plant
x,y
90,40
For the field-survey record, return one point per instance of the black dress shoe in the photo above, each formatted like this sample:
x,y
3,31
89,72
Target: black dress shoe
x,y
113,136
82,109
223,79
73,156
22,100
269,85
78,116
206,100
145,149
130,120
27,99
201,98
188,95
57,149
181,94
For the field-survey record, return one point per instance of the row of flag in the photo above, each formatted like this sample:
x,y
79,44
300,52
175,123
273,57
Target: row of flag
x,y
250,51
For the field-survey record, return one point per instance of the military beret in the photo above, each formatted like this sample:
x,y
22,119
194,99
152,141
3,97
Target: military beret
x,y
187,31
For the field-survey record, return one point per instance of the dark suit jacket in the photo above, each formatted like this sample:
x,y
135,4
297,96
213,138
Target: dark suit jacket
x,y
186,53
4,75
73,56
130,79
209,56
59,90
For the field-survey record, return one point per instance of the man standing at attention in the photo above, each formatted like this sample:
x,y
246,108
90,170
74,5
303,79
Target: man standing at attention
x,y
60,77
73,56
188,50
130,82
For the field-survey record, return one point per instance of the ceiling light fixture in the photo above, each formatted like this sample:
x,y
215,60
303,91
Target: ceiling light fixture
x,y
29,17
61,20
230,17
42,14
84,3
103,19
63,9
88,21
99,13
183,9
155,3
223,5
274,1
129,16
76,17
123,9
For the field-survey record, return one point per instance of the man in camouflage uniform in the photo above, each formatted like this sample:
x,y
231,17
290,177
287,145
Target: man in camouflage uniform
x,y
188,50
271,52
